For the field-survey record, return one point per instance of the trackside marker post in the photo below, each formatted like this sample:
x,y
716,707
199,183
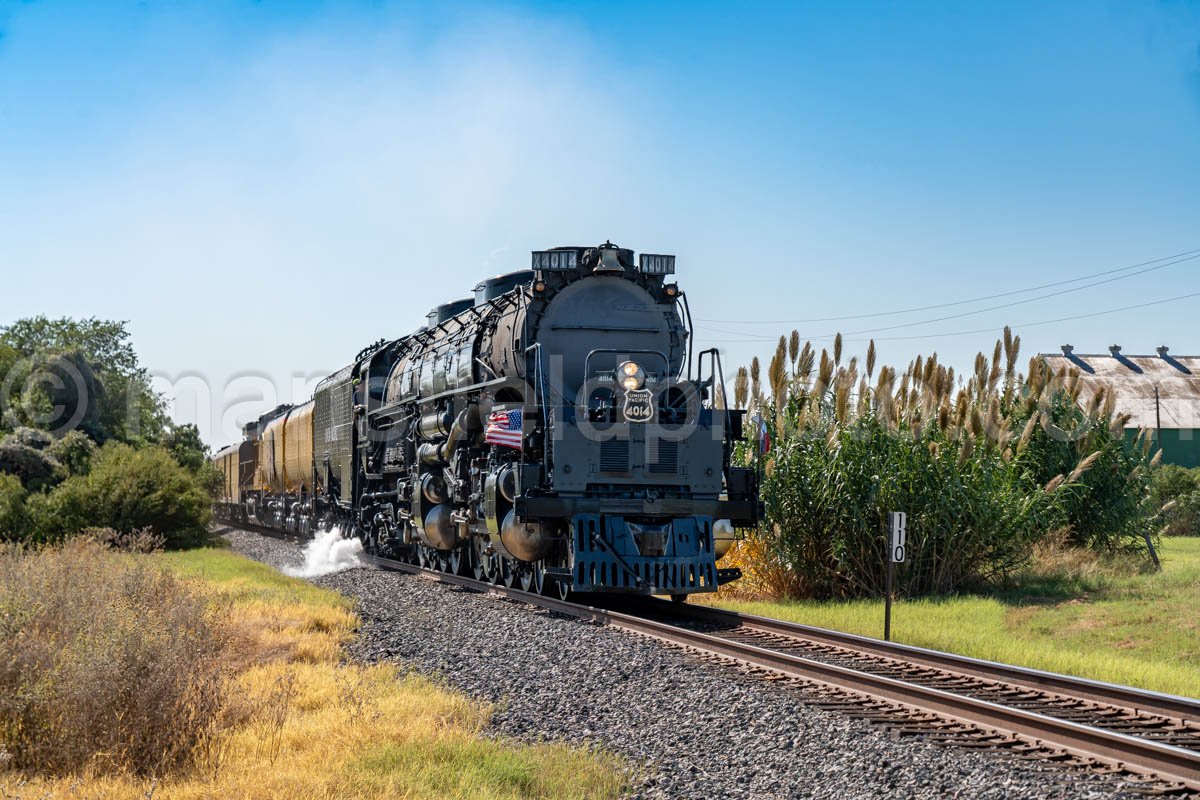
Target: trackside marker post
x,y
897,520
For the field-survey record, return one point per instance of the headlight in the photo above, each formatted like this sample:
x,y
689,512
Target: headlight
x,y
632,375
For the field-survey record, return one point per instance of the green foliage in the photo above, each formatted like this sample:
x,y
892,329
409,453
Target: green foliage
x,y
35,468
187,447
14,517
829,493
30,437
1170,482
127,490
1182,518
74,451
984,469
77,374
1175,496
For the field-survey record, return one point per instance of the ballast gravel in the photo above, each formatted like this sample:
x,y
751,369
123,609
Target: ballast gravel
x,y
688,727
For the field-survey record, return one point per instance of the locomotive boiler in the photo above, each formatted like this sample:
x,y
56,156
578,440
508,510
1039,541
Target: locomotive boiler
x,y
555,431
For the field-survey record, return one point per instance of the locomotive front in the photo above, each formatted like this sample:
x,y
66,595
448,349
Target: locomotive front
x,y
627,482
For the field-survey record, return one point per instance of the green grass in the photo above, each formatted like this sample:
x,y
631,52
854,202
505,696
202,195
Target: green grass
x,y
243,580
479,770
1107,622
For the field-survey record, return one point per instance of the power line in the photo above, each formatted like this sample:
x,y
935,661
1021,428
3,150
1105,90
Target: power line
x,y
978,310
1192,253
1017,328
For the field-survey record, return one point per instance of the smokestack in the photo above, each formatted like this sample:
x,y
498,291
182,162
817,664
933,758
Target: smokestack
x,y
1115,349
1162,350
1068,349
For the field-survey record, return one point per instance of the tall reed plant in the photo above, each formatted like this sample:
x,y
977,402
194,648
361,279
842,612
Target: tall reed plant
x,y
985,465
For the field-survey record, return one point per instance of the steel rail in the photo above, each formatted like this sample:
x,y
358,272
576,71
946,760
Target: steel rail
x,y
1175,707
1128,753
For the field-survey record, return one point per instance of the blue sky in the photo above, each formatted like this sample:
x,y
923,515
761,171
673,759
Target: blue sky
x,y
234,178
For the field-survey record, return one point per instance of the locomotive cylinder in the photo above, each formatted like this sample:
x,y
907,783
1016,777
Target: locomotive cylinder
x,y
466,425
526,541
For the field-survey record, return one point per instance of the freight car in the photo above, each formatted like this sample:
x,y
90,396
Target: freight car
x,y
555,431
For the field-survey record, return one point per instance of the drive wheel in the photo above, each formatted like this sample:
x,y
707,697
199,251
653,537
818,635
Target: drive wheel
x,y
454,561
559,590
476,560
527,577
508,575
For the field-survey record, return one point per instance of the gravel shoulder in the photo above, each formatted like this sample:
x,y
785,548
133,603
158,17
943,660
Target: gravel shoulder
x,y
689,727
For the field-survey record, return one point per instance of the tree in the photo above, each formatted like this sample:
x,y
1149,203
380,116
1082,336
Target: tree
x,y
185,444
82,372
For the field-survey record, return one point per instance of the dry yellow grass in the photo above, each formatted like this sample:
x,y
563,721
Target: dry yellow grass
x,y
303,724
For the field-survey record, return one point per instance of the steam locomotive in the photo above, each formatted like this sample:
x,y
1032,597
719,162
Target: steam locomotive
x,y
554,432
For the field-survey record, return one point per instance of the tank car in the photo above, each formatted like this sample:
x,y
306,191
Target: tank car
x,y
554,431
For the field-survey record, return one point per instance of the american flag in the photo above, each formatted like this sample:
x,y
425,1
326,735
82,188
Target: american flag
x,y
504,428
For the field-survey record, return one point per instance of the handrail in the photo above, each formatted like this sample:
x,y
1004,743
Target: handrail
x,y
691,333
540,380
587,362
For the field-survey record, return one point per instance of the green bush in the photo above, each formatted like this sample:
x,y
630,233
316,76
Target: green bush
x,y
1174,497
1171,481
74,451
14,517
127,490
35,468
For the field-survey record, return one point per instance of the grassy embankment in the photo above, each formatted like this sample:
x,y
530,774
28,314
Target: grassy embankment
x,y
1073,613
305,724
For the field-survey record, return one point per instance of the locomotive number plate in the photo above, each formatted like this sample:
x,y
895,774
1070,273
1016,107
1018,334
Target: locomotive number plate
x,y
639,405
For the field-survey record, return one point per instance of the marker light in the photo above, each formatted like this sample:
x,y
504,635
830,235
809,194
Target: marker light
x,y
632,375
671,289
539,286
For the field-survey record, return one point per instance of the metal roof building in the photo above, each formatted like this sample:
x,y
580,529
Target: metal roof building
x,y
1161,392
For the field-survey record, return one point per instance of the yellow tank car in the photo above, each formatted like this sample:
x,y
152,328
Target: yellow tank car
x,y
298,449
270,455
286,451
226,462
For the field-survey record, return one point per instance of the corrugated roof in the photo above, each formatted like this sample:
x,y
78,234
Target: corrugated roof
x,y
1134,378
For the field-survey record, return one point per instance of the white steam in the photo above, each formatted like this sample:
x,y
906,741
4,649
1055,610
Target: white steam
x,y
329,552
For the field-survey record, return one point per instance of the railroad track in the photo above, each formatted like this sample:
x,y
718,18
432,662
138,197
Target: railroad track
x,y
1151,739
